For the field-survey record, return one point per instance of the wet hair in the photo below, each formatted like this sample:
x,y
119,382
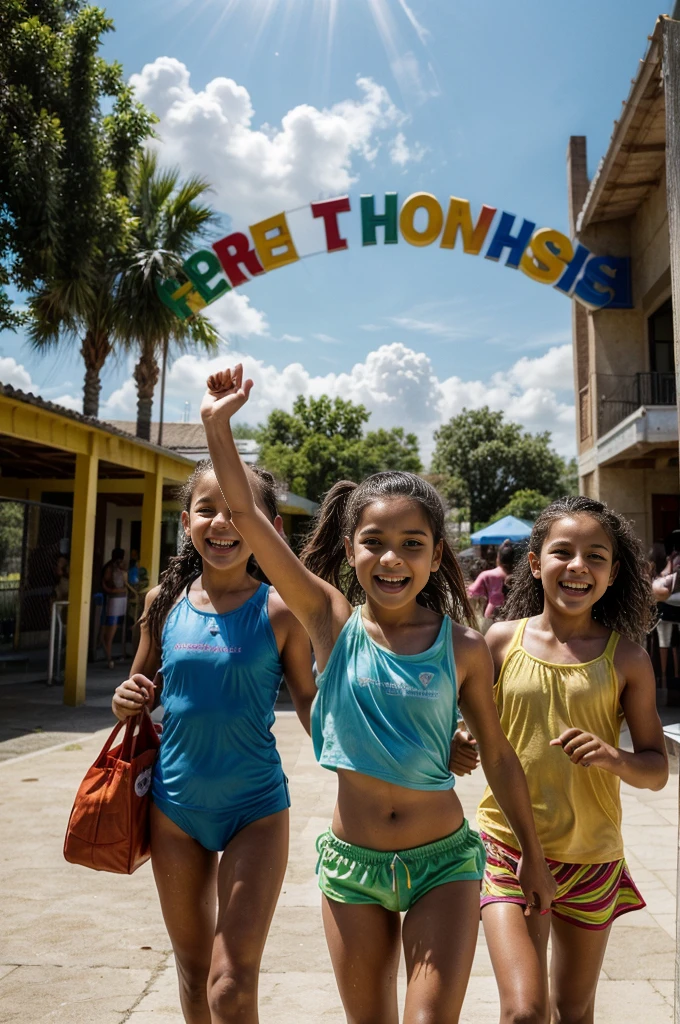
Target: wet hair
x,y
506,555
658,557
339,516
627,606
187,566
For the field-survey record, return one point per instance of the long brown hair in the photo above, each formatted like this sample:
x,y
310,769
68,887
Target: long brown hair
x,y
339,516
187,566
627,606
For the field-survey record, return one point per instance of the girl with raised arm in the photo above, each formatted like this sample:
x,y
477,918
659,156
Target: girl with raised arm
x,y
569,670
393,671
221,640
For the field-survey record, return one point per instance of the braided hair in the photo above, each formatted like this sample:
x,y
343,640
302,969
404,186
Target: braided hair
x,y
339,516
627,606
187,566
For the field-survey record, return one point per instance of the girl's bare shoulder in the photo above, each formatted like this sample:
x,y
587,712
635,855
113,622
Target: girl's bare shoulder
x,y
629,657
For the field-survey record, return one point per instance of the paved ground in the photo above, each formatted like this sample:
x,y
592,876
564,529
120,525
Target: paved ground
x,y
79,947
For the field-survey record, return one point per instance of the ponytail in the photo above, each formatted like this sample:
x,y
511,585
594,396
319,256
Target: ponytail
x,y
324,550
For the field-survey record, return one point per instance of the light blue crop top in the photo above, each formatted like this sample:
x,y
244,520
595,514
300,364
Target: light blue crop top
x,y
391,716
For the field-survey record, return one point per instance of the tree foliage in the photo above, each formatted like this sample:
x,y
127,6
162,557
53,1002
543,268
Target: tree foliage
x,y
494,459
168,218
524,504
323,440
65,172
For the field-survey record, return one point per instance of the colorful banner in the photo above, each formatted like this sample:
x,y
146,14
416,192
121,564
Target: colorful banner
x,y
545,255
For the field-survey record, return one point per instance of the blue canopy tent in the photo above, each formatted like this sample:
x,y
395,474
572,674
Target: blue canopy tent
x,y
507,528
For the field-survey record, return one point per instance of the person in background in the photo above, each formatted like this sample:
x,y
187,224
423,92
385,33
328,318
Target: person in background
x,y
667,606
114,585
488,587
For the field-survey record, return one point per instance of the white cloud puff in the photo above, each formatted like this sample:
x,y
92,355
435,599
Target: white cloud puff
x,y
258,171
396,384
15,374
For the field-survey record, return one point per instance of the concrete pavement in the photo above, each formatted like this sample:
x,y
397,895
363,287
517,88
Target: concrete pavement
x,y
82,947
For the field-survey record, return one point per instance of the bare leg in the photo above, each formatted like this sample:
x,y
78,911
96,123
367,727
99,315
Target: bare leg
x,y
186,877
440,934
577,955
249,882
363,940
108,633
518,948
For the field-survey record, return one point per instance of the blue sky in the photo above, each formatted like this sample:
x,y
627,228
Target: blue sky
x,y
452,97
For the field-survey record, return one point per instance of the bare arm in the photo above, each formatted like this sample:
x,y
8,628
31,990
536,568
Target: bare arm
x,y
647,766
133,693
296,658
321,609
500,763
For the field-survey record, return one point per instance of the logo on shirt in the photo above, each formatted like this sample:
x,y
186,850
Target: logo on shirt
x,y
426,678
398,688
215,648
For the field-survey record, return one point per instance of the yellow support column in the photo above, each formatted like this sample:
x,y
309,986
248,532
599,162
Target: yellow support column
x,y
80,574
152,514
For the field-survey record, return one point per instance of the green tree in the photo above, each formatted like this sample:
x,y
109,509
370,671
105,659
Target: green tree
x,y
524,504
66,169
322,441
568,482
168,219
494,459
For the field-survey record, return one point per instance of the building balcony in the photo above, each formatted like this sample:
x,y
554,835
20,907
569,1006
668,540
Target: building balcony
x,y
637,421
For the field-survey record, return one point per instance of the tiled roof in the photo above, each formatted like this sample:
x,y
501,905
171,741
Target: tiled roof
x,y
7,391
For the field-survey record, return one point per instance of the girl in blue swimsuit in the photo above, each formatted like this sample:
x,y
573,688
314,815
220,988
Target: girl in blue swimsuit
x,y
224,640
393,671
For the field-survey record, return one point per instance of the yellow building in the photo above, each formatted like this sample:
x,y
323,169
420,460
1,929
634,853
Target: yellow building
x,y
624,361
47,452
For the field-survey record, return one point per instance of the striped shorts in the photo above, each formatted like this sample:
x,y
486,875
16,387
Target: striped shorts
x,y
588,895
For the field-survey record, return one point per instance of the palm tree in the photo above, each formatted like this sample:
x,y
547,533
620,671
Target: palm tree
x,y
169,219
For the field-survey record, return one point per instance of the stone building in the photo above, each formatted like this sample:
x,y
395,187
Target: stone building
x,y
624,363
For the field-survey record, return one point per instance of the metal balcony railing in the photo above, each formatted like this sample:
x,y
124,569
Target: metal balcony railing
x,y
620,395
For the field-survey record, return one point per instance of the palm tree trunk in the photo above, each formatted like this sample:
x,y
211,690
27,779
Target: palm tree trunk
x,y
146,378
94,350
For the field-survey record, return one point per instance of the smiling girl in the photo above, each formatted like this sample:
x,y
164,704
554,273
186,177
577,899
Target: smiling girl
x,y
569,669
224,640
393,671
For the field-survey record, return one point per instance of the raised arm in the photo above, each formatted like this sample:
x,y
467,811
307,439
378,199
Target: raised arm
x,y
321,608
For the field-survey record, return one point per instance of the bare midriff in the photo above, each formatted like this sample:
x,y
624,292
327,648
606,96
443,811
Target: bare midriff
x,y
382,816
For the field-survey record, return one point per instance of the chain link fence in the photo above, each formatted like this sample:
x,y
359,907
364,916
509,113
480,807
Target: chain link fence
x,y
34,566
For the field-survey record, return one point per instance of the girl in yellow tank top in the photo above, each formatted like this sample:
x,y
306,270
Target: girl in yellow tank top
x,y
569,670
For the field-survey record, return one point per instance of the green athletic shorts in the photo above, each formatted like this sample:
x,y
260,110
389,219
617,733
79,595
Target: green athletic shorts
x,y
354,874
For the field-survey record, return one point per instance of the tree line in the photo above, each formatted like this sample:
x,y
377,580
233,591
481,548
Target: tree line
x,y
88,221
483,465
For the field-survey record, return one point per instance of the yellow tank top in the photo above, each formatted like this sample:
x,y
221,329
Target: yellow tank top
x,y
577,810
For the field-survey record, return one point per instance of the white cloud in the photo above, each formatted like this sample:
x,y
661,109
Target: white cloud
x,y
436,328
327,339
234,317
15,374
255,171
396,384
401,153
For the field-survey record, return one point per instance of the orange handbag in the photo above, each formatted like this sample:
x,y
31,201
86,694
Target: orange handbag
x,y
109,825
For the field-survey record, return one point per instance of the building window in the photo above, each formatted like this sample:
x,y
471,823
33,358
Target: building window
x,y
661,357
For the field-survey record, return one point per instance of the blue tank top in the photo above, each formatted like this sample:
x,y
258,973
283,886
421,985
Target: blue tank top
x,y
391,716
221,677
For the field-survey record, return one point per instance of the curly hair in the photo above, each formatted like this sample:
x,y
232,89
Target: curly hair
x,y
339,516
627,606
187,566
